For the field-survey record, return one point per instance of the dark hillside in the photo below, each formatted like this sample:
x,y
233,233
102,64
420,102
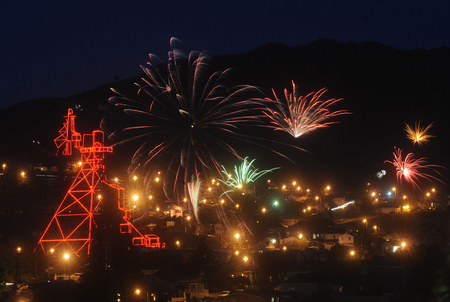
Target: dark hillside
x,y
383,87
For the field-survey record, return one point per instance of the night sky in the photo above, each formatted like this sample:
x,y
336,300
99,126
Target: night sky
x,y
59,48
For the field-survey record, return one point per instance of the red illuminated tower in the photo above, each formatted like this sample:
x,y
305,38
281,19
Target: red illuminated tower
x,y
73,223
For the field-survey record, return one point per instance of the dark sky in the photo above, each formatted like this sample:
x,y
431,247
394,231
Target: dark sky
x,y
59,48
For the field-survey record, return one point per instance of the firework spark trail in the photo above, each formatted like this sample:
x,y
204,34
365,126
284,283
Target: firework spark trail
x,y
243,175
418,135
409,168
183,117
194,194
298,115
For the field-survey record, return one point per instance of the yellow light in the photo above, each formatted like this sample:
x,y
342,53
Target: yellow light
x,y
317,197
209,189
99,196
157,179
284,187
403,244
157,209
236,253
309,208
294,183
300,236
328,188
222,201
177,243
263,210
284,248
239,186
52,250
307,190
135,197
237,206
245,259
22,174
19,249
134,177
364,220
236,235
188,218
268,181
150,196
116,179
80,163
352,253
373,194
4,166
137,291
298,188
374,227
66,256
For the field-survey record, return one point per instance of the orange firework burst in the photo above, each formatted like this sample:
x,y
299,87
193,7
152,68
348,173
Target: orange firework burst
x,y
410,169
418,134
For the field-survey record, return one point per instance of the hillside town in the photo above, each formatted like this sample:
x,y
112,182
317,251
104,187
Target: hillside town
x,y
292,243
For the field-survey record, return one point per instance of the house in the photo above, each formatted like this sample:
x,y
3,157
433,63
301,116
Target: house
x,y
294,243
219,229
173,210
347,239
330,240
183,283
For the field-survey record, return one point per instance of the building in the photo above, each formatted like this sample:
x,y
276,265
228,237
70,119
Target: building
x,y
348,239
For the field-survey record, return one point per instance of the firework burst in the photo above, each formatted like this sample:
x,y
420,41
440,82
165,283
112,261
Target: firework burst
x,y
411,169
244,174
182,117
298,115
417,134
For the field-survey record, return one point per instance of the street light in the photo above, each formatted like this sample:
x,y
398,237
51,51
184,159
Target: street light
x,y
17,264
138,293
66,258
252,273
376,230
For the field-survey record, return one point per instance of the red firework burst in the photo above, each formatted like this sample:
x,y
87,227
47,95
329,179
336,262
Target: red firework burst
x,y
411,169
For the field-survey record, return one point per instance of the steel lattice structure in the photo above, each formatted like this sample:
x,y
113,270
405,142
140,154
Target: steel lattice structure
x,y
75,219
